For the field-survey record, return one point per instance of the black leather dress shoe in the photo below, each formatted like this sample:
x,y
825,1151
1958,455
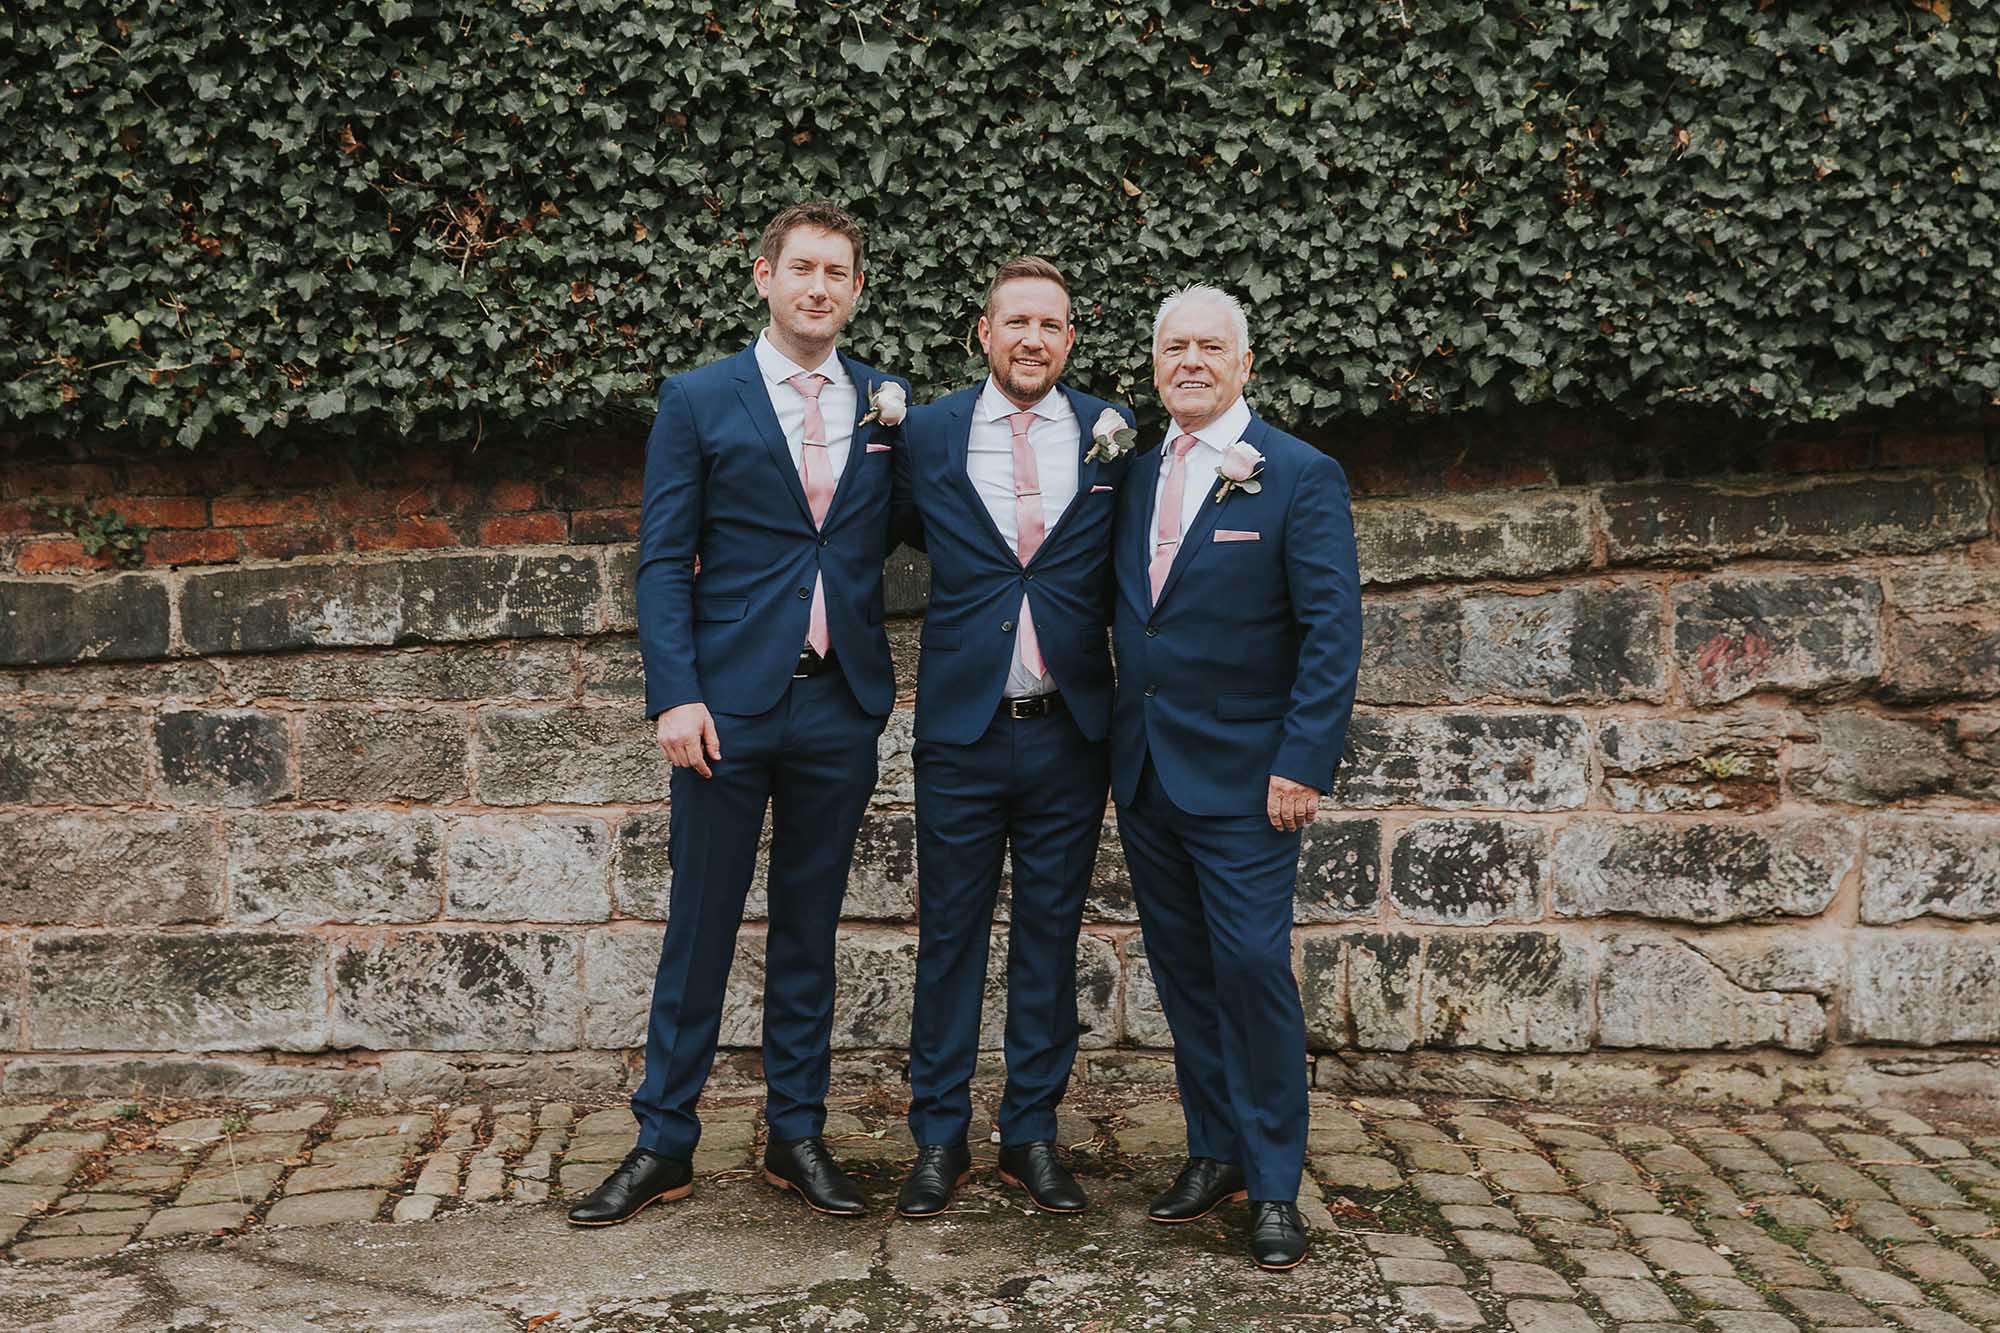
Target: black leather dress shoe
x,y
1204,1184
806,1166
1277,1236
1034,1167
936,1174
642,1178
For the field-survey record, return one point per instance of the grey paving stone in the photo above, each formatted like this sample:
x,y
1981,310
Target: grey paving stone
x,y
1547,1317
1934,1263
1402,1247
1498,1245
289,1118
198,1221
1826,1309
1627,1299
1724,1293
1471,1215
1686,1257
1609,1264
1434,1187
68,1247
1426,1272
1447,1307
1877,1287
358,1174
312,1210
1517,1279
1749,1321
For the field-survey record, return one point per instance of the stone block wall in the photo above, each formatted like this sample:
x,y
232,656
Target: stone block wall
x,y
1674,751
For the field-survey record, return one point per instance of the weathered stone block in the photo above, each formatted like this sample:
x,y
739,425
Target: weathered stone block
x,y
1801,634
354,754
1800,961
439,990
1653,765
585,756
171,1076
1145,1023
1661,992
875,975
1340,870
1382,976
1700,523
529,669
1582,643
641,875
13,984
292,606
147,680
1923,988
1469,871
896,772
108,869
72,756
906,581
1097,993
320,866
1111,881
1867,759
1517,535
227,757
620,579
220,991
1507,991
49,621
1322,990
1456,761
1943,633
490,596
1701,872
529,868
1931,866
613,669
882,886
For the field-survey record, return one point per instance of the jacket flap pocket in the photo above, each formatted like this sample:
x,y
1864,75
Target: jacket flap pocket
x,y
720,608
1242,706
940,636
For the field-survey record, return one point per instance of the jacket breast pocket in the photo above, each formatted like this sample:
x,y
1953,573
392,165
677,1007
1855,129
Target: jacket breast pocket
x,y
1244,707
941,637
721,608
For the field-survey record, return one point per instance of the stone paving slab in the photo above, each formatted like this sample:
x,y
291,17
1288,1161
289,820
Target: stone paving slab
x,y
1427,1214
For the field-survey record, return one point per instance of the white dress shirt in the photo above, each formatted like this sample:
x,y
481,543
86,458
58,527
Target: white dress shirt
x,y
1201,461
989,462
836,403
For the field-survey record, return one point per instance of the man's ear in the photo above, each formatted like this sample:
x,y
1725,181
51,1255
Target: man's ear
x,y
760,273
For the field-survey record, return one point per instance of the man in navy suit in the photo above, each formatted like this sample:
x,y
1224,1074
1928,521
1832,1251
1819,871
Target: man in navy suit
x,y
1238,627
1015,490
766,521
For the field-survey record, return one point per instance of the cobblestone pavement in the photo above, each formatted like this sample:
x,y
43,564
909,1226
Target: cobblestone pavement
x,y
1434,1214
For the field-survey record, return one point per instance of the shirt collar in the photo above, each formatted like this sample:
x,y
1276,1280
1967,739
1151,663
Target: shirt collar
x,y
994,404
1222,432
777,367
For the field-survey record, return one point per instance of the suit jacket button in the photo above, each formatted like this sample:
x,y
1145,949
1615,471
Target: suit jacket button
x,y
1006,627
1152,631
1028,575
824,540
1152,690
805,592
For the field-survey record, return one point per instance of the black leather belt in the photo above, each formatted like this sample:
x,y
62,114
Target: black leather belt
x,y
812,664
1033,705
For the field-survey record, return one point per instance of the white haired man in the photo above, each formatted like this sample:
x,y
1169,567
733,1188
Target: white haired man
x,y
1237,625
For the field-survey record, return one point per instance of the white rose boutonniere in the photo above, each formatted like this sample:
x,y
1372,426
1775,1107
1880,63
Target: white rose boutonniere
x,y
1110,438
887,404
1239,469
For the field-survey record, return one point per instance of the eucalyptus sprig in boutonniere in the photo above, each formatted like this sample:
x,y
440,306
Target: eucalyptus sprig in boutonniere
x,y
1110,438
888,404
1239,469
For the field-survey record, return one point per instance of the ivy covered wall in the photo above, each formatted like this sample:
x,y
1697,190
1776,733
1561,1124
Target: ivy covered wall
x,y
460,220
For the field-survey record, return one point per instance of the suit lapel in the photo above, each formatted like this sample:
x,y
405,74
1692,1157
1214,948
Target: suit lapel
x,y
1205,517
1086,472
1142,480
757,402
856,447
958,434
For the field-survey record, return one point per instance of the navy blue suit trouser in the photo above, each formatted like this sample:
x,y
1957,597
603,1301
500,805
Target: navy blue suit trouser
x,y
812,760
1215,907
1035,786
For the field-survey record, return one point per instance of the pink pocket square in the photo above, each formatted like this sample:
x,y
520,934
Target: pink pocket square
x,y
1095,489
1230,535
880,448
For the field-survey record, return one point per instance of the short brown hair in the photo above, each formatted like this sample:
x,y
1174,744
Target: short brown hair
x,y
821,213
1024,266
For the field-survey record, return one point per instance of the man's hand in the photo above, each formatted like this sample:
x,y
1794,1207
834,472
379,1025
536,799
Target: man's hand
x,y
687,737
1291,805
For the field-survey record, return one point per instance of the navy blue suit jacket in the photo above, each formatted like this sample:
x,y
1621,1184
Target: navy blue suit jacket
x,y
721,485
977,580
1246,666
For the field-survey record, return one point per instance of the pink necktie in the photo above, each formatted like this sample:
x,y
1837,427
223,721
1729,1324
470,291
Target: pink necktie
x,y
1168,532
816,470
1029,530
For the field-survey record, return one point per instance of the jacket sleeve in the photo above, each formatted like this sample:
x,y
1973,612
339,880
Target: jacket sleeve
x,y
670,527
1324,581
